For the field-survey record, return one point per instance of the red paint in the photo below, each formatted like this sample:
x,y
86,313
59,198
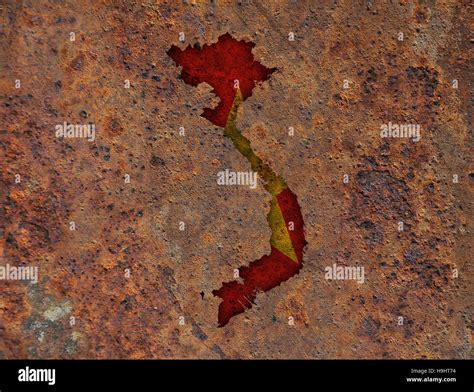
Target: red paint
x,y
291,211
219,65
266,272
261,275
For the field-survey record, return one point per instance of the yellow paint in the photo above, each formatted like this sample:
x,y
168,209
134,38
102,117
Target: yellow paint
x,y
273,184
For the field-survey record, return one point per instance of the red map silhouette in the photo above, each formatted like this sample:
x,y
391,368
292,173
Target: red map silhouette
x,y
267,272
219,65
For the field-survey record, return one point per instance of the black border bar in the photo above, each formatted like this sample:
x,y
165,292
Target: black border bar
x,y
317,375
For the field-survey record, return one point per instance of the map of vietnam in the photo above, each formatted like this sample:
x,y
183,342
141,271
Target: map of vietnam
x,y
221,65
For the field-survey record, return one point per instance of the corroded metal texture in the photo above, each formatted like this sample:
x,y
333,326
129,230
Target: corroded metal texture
x,y
154,233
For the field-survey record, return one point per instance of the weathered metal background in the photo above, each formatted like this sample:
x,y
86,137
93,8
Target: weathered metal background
x,y
134,225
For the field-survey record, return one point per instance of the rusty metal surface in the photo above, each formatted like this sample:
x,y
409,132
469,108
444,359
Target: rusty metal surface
x,y
134,226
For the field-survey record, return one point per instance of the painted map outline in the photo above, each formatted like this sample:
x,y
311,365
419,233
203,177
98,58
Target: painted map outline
x,y
220,65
